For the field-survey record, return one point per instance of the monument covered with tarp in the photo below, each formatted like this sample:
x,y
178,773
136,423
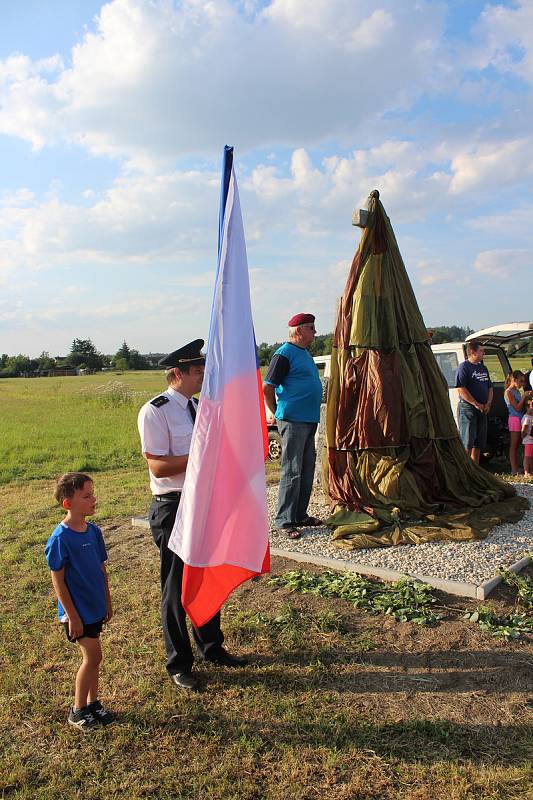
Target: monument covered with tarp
x,y
396,471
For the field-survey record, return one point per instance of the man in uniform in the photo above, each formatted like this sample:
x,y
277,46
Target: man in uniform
x,y
165,426
293,392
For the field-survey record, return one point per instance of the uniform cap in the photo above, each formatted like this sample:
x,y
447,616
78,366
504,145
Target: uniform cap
x,y
188,354
300,319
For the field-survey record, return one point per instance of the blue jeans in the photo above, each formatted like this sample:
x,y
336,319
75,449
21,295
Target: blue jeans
x,y
297,471
472,426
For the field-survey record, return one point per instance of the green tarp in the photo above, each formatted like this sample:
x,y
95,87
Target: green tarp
x,y
397,472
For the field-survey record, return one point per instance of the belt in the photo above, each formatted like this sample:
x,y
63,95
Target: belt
x,y
169,497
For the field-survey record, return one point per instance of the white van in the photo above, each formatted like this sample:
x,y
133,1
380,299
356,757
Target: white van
x,y
500,342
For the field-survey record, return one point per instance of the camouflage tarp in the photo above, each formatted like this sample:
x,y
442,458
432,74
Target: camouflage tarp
x,y
398,472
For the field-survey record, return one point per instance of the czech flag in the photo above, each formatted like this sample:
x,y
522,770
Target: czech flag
x,y
221,528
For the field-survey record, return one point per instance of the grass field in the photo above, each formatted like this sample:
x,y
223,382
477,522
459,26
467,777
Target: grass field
x,y
79,423
522,363
336,703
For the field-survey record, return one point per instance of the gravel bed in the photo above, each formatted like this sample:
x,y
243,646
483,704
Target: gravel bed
x,y
471,562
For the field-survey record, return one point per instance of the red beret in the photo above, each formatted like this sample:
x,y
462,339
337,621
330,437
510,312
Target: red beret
x,y
300,319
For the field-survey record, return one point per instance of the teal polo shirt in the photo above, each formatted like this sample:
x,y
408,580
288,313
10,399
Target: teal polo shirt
x,y
298,386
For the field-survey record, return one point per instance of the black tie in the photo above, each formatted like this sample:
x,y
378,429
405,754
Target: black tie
x,y
192,410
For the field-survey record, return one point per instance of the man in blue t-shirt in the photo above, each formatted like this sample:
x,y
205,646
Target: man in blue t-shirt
x,y
293,393
475,398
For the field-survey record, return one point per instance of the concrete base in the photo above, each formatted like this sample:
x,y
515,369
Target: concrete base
x,y
460,588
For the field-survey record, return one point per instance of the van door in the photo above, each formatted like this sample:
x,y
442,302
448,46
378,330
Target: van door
x,y
512,338
448,361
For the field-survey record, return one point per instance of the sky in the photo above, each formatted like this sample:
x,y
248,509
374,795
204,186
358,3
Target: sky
x,y
113,118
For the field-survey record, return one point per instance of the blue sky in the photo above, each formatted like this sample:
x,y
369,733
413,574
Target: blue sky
x,y
112,122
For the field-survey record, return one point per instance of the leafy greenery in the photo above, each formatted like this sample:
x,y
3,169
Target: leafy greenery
x,y
319,347
451,333
84,354
127,358
523,586
510,627
406,600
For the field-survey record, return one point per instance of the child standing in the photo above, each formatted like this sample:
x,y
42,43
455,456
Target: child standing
x,y
76,555
527,439
515,402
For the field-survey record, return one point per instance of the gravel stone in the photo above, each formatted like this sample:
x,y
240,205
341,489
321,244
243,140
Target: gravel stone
x,y
470,562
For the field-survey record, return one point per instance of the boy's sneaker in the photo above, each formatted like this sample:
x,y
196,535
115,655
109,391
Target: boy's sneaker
x,y
101,714
82,719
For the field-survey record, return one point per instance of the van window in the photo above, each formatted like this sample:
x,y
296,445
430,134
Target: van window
x,y
448,364
496,369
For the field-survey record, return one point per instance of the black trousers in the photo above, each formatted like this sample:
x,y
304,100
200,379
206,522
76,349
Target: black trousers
x,y
209,637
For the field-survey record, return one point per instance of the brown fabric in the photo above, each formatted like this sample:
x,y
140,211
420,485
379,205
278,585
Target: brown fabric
x,y
371,410
394,454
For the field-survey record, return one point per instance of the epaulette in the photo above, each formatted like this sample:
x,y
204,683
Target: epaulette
x,y
159,401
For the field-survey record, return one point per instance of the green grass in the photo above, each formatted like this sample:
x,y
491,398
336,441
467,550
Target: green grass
x,y
85,423
315,715
522,363
336,704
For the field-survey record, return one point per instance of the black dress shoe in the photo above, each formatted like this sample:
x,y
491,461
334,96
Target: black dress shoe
x,y
185,680
225,659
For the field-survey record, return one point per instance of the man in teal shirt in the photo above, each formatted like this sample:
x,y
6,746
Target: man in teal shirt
x,y
293,392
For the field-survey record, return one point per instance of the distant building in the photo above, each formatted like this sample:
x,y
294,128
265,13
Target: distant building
x,y
153,358
60,370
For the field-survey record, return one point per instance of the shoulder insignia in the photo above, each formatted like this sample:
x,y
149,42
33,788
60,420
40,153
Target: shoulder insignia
x,y
159,401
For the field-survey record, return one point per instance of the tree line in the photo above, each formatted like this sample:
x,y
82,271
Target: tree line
x,y
321,346
84,355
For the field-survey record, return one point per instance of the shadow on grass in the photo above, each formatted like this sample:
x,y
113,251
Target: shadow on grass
x,y
330,673
466,659
421,741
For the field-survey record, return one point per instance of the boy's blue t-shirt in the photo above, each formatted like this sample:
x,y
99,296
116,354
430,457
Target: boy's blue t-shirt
x,y
475,378
298,386
82,555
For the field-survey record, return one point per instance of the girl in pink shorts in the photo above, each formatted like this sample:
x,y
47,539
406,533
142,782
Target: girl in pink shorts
x,y
527,439
515,402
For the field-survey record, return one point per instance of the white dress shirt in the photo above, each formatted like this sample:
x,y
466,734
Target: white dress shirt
x,y
166,430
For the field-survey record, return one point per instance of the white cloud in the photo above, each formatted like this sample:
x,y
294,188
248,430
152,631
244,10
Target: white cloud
x,y
505,264
492,164
140,219
339,271
19,198
74,290
155,80
515,222
506,39
315,199
435,271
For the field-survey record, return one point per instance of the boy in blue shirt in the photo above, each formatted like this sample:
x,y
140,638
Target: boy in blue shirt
x,y
76,555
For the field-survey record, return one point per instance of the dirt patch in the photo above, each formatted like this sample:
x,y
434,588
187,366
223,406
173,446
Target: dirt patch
x,y
452,669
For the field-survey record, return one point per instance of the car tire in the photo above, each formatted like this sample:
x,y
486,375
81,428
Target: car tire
x,y
274,446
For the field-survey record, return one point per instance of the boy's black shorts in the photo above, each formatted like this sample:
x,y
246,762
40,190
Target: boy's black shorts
x,y
92,630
